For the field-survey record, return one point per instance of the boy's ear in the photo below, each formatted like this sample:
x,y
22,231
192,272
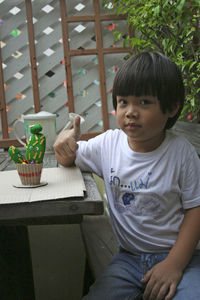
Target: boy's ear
x,y
174,111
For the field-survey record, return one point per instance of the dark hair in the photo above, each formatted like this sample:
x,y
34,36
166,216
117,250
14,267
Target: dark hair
x,y
151,74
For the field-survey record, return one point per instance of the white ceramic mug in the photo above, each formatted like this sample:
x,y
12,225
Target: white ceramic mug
x,y
47,121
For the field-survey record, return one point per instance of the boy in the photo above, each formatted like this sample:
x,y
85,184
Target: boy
x,y
152,185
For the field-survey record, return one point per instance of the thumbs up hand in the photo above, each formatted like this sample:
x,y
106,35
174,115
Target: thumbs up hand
x,y
66,145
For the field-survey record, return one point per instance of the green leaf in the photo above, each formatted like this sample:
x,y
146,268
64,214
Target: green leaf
x,y
192,102
156,10
192,64
180,5
169,28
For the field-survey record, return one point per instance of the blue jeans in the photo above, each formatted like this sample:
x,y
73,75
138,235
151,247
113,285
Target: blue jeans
x,y
121,280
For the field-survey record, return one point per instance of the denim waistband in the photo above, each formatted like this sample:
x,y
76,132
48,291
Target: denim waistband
x,y
142,253
196,252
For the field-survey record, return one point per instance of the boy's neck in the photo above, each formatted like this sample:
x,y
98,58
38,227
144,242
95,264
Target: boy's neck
x,y
148,145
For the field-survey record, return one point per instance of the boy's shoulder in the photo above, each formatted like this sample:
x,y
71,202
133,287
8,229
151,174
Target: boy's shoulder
x,y
110,134
113,132
179,141
106,138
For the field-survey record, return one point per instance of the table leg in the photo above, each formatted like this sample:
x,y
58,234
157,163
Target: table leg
x,y
16,277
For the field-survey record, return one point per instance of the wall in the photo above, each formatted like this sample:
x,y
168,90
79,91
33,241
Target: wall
x,y
58,258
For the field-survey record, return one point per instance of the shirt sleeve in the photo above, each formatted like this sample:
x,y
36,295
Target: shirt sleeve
x,y
88,155
190,178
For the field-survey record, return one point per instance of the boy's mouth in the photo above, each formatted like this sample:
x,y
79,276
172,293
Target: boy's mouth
x,y
132,125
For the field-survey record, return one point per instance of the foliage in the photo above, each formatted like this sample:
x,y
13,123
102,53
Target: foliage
x,y
171,27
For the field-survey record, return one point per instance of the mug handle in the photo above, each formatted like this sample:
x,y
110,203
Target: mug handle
x,y
71,120
15,132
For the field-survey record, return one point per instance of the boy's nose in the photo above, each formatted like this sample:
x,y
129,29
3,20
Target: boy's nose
x,y
132,112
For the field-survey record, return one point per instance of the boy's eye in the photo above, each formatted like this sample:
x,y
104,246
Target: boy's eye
x,y
145,102
122,101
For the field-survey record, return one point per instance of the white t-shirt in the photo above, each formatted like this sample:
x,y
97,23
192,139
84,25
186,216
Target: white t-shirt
x,y
147,192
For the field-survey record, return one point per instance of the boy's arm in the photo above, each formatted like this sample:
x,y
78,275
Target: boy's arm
x,y
66,145
164,277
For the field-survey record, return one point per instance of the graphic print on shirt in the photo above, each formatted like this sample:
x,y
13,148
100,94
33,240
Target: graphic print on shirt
x,y
134,195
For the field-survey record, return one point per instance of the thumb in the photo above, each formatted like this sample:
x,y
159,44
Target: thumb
x,y
76,127
146,277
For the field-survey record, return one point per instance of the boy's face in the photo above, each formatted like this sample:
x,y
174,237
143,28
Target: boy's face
x,y
143,121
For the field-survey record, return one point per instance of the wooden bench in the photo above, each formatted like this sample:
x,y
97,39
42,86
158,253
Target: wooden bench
x,y
100,242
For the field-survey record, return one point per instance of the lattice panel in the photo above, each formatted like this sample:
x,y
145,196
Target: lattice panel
x,y
82,35
49,52
86,91
16,60
58,62
78,7
0,131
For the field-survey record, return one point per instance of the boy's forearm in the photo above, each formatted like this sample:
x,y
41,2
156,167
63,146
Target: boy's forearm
x,y
187,240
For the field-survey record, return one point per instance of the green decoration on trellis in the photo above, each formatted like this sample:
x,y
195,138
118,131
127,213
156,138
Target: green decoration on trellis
x,y
52,95
98,103
16,32
96,82
83,93
100,123
81,71
95,60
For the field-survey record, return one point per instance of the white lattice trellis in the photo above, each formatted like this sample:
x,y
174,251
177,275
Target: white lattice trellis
x,y
56,61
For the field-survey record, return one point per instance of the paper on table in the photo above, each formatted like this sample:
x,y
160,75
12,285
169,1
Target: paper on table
x,y
62,183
